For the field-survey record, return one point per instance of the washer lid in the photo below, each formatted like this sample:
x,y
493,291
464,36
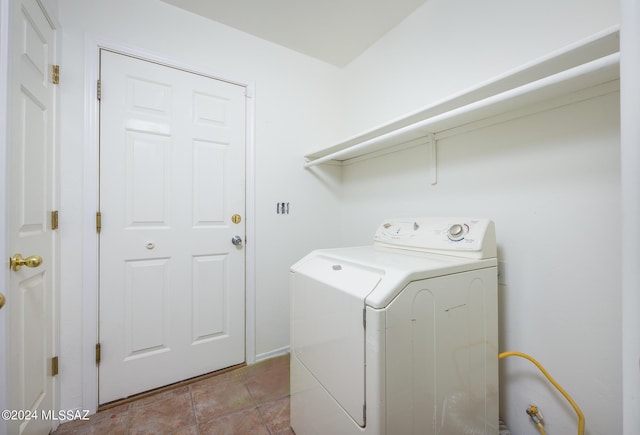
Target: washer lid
x,y
357,280
394,269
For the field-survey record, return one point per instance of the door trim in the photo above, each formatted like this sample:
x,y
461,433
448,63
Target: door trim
x,y
4,142
93,46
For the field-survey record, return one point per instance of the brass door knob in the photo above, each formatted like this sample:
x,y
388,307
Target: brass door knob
x,y
16,262
2,300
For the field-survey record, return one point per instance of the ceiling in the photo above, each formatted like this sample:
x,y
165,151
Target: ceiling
x,y
335,31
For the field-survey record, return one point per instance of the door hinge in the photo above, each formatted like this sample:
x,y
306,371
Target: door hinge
x,y
55,74
98,221
54,366
99,90
54,220
364,318
98,353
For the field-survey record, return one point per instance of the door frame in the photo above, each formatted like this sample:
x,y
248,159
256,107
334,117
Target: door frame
x,y
90,308
4,142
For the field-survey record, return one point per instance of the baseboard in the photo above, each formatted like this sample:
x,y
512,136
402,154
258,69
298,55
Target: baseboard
x,y
272,354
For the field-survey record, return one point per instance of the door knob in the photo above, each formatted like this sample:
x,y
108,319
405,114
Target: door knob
x,y
236,240
16,262
2,300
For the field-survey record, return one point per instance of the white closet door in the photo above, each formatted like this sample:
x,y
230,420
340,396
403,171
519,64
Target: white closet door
x,y
31,296
172,175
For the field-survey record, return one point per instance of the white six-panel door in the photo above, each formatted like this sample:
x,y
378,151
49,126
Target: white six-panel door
x,y
31,297
172,175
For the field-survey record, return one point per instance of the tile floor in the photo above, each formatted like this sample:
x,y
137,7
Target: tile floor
x,y
248,400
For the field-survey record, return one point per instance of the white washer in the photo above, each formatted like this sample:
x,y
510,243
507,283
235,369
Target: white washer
x,y
400,337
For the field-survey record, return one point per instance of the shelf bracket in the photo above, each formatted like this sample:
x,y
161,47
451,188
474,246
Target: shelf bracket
x,y
433,159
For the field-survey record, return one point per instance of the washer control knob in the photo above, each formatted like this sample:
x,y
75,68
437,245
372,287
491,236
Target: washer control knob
x,y
456,232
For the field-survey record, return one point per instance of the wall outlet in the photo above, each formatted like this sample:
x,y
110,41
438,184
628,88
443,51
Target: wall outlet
x,y
282,208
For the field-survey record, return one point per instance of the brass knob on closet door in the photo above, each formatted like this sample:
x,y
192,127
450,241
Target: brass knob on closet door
x,y
2,300
16,262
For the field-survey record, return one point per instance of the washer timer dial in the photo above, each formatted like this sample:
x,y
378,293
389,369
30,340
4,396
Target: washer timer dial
x,y
457,231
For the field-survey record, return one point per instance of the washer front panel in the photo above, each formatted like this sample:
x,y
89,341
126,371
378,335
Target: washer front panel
x,y
328,334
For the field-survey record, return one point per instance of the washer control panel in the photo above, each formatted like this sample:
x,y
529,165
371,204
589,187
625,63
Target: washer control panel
x,y
438,234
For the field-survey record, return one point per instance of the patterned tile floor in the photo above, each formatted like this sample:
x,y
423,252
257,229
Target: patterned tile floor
x,y
249,400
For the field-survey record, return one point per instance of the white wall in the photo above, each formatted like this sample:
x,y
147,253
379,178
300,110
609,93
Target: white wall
x,y
550,181
293,100
447,46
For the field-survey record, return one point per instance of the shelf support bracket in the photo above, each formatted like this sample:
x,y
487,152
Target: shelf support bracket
x,y
433,159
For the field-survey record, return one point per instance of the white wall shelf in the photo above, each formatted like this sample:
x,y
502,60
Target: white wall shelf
x,y
586,69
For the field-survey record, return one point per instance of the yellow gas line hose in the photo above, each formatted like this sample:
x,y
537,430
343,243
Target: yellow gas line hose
x,y
566,395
